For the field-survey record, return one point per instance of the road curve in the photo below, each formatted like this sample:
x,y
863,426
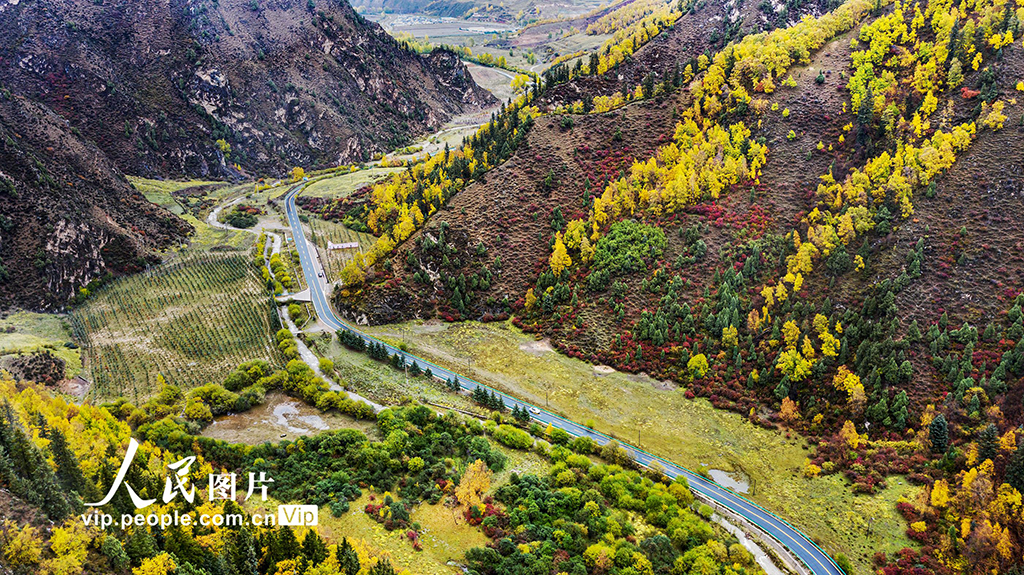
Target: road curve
x,y
798,544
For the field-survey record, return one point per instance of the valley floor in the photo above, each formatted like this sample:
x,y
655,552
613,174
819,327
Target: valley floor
x,y
689,432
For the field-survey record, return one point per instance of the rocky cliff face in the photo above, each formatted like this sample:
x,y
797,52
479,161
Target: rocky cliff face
x,y
197,87
67,215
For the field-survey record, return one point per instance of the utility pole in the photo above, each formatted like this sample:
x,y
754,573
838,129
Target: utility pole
x,y
642,421
547,391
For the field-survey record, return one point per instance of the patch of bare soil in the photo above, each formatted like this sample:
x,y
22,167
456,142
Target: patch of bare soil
x,y
539,347
76,387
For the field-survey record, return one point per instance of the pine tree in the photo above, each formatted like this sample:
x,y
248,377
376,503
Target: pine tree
x,y
647,87
974,406
899,410
495,402
348,560
521,415
140,545
40,486
282,545
243,553
68,472
19,486
782,390
313,548
988,442
383,568
938,432
183,546
880,410
480,396
1015,470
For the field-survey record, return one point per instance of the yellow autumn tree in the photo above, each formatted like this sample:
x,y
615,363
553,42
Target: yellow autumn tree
x,y
162,564
531,299
848,382
287,567
807,349
1008,442
820,323
730,336
849,435
474,483
789,412
940,494
697,366
298,173
794,365
810,469
993,117
830,346
791,333
353,274
70,543
560,259
22,546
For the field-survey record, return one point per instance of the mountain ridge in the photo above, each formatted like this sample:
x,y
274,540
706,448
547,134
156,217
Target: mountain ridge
x,y
189,87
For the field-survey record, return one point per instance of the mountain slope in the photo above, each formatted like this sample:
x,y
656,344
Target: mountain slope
x,y
193,87
67,215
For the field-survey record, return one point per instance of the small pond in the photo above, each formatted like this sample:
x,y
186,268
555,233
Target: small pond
x,y
735,480
280,417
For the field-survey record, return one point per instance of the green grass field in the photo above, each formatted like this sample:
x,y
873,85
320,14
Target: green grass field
x,y
206,237
345,184
689,432
384,384
190,321
159,191
27,332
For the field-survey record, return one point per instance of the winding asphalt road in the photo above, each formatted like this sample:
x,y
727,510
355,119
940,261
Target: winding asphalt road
x,y
798,544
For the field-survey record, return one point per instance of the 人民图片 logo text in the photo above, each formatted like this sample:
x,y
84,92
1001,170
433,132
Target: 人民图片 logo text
x,y
220,487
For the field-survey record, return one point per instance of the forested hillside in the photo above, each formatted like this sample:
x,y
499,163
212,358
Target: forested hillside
x,y
579,515
809,227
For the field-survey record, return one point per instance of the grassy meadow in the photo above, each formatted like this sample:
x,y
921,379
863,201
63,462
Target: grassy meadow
x,y
28,332
689,432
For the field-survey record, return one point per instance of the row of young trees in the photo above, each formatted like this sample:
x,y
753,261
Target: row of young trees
x,y
186,321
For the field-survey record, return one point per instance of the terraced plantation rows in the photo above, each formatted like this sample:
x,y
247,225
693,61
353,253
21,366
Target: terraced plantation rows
x,y
189,322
